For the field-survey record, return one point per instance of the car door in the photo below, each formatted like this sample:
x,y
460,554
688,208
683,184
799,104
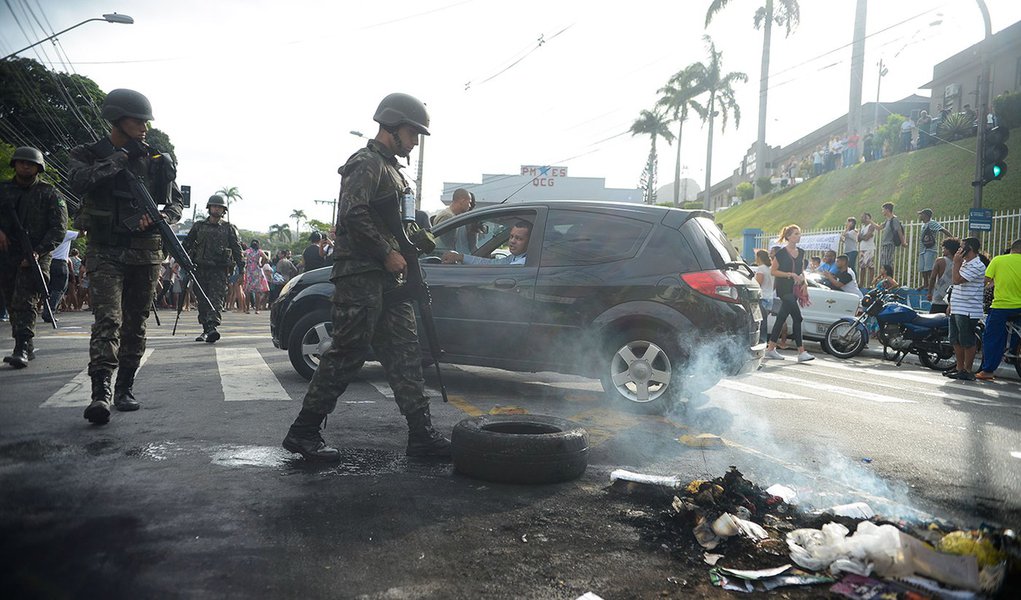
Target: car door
x,y
483,311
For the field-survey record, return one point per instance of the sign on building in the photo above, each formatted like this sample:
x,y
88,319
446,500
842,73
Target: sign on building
x,y
543,175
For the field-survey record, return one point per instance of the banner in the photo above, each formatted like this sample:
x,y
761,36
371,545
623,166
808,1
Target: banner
x,y
821,241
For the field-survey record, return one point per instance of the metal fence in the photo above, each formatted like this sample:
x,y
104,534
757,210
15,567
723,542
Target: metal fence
x,y
1006,229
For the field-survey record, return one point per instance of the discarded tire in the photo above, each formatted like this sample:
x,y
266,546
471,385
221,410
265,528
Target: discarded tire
x,y
519,448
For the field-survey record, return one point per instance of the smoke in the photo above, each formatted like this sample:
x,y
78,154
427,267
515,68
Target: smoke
x,y
797,457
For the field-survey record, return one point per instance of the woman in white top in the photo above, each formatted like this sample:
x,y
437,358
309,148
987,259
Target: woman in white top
x,y
850,237
867,248
765,279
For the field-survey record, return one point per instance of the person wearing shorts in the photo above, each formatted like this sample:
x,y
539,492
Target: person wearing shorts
x,y
969,276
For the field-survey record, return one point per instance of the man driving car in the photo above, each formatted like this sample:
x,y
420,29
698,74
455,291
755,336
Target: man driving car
x,y
520,233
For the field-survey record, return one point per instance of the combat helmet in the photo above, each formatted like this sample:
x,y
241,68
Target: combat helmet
x,y
401,109
29,154
122,103
216,200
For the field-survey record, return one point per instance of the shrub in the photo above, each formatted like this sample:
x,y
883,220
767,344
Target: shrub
x,y
765,185
1008,109
745,191
955,127
888,135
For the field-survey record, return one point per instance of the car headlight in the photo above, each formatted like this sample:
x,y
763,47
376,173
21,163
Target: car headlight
x,y
290,283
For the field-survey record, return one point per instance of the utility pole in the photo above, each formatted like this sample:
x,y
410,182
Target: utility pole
x,y
983,103
333,208
857,69
879,82
418,177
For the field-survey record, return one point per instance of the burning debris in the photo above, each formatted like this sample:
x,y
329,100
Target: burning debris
x,y
757,539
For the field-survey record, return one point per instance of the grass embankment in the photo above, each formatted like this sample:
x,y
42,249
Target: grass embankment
x,y
938,178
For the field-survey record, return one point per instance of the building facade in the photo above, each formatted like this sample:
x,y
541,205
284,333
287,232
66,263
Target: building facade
x,y
540,183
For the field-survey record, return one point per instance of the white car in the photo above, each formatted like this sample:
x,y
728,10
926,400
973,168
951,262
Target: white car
x,y
828,305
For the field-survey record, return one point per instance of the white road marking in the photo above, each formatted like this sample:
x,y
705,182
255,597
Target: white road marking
x,y
384,388
78,391
244,376
756,390
1016,454
836,389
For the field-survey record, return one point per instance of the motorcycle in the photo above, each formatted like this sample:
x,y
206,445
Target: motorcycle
x,y
901,330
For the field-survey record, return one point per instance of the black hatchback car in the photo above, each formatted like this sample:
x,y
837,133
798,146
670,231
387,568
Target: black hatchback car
x,y
653,301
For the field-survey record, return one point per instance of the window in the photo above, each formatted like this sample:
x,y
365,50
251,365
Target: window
x,y
483,237
582,238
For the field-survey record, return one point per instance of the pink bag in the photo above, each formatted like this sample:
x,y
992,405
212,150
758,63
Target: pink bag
x,y
801,293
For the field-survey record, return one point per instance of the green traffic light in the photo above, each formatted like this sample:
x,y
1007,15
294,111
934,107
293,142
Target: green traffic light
x,y
996,171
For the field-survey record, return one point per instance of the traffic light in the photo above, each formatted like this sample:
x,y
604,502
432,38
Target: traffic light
x,y
186,193
994,151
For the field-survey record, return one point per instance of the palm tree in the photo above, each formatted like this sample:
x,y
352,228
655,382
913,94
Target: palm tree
x,y
720,101
298,216
282,231
655,125
230,194
785,13
678,96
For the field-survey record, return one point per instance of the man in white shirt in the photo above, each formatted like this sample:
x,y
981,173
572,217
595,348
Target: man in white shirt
x,y
59,272
969,277
518,244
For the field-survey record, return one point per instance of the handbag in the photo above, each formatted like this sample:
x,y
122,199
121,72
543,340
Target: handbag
x,y
801,293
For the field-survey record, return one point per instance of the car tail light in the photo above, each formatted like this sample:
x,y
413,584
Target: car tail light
x,y
713,284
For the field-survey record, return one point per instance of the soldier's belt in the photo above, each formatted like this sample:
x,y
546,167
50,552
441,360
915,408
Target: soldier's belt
x,y
136,243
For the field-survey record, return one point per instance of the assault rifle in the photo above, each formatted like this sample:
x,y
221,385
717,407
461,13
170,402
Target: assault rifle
x,y
143,204
414,288
26,250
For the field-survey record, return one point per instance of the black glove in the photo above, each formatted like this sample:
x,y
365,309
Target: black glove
x,y
135,149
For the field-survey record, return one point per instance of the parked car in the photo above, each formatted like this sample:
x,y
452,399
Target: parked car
x,y
827,307
653,301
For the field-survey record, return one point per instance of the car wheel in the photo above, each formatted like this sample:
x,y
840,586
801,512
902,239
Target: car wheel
x,y
519,448
846,339
640,371
310,338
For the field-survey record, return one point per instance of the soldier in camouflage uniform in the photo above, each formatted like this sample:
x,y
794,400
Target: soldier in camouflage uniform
x,y
367,262
123,262
40,210
215,246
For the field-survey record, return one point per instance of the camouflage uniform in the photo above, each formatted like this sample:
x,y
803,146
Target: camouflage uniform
x,y
123,265
43,213
361,322
215,248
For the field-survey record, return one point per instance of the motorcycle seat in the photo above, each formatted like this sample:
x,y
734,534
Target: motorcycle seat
x,y
931,320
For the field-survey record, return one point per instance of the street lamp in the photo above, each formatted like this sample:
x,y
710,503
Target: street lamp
x,y
109,18
357,133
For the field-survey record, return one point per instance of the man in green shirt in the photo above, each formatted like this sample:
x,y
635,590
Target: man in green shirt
x,y
1004,271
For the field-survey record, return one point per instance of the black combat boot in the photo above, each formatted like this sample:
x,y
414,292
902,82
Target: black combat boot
x,y
212,335
304,438
99,411
20,357
423,440
123,399
30,349
202,336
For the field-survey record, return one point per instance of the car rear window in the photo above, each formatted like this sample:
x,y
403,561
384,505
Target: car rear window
x,y
575,238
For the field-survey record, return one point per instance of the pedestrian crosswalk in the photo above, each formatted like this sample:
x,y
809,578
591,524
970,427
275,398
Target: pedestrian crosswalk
x,y
248,373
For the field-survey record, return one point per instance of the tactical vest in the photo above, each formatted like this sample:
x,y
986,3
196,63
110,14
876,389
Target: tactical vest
x,y
107,205
213,244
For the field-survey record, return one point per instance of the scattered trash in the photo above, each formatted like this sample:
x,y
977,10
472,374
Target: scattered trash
x,y
783,492
653,480
973,543
855,510
866,460
702,440
882,549
763,580
727,525
712,559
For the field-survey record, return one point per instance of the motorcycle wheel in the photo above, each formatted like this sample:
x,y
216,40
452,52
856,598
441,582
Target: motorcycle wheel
x,y
845,339
1017,359
935,361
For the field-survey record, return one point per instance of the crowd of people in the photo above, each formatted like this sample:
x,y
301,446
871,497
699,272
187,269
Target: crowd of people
x,y
963,282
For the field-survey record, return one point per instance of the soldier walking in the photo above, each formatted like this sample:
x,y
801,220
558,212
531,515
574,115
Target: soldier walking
x,y
215,246
35,206
367,261
123,262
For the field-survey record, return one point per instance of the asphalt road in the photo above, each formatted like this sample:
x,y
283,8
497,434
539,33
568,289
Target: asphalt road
x,y
192,497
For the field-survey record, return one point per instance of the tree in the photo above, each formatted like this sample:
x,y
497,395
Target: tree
x,y
719,100
298,216
745,191
678,96
654,125
230,194
281,231
785,13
